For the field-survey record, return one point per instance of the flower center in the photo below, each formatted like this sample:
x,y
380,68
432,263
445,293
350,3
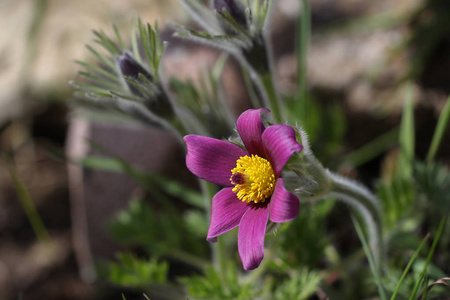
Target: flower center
x,y
253,179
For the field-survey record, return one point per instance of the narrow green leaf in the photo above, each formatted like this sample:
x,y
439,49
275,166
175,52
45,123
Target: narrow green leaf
x,y
430,255
373,148
140,87
152,39
145,42
124,96
111,76
411,261
254,99
107,62
172,187
98,95
303,40
118,37
134,42
441,127
86,87
99,81
27,203
406,136
226,18
106,42
369,256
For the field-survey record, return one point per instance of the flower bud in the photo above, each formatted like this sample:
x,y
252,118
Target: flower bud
x,y
129,67
159,102
235,9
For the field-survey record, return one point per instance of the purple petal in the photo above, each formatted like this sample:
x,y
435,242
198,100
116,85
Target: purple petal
x,y
212,159
251,237
250,128
279,143
284,205
226,213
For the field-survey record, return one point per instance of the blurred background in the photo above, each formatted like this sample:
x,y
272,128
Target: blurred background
x,y
364,57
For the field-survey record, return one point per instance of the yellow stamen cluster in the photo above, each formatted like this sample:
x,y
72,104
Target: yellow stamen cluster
x,y
253,179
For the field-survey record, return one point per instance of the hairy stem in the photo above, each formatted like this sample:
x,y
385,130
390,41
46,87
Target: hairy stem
x,y
366,204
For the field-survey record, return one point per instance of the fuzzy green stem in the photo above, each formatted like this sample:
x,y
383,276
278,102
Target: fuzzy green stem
x,y
367,205
372,264
272,96
327,184
258,60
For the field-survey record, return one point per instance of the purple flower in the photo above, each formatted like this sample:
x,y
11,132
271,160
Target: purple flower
x,y
254,191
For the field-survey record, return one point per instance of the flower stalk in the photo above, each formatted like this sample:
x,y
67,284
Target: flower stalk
x,y
313,182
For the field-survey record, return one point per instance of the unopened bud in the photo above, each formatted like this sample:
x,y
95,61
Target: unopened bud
x,y
235,9
159,102
131,68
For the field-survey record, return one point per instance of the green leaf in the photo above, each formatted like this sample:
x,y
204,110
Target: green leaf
x,y
196,223
430,255
111,76
411,261
300,286
107,43
132,271
375,270
172,187
373,148
210,285
303,42
106,61
406,137
118,37
304,240
441,127
397,196
27,202
433,184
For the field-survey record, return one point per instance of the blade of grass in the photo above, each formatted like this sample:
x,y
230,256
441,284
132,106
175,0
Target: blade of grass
x,y
373,148
430,255
442,281
27,203
303,38
424,294
411,261
441,126
406,137
369,256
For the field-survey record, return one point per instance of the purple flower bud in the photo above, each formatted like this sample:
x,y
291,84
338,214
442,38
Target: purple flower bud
x,y
235,9
129,67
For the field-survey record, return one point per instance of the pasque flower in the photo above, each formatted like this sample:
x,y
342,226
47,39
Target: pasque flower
x,y
254,191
